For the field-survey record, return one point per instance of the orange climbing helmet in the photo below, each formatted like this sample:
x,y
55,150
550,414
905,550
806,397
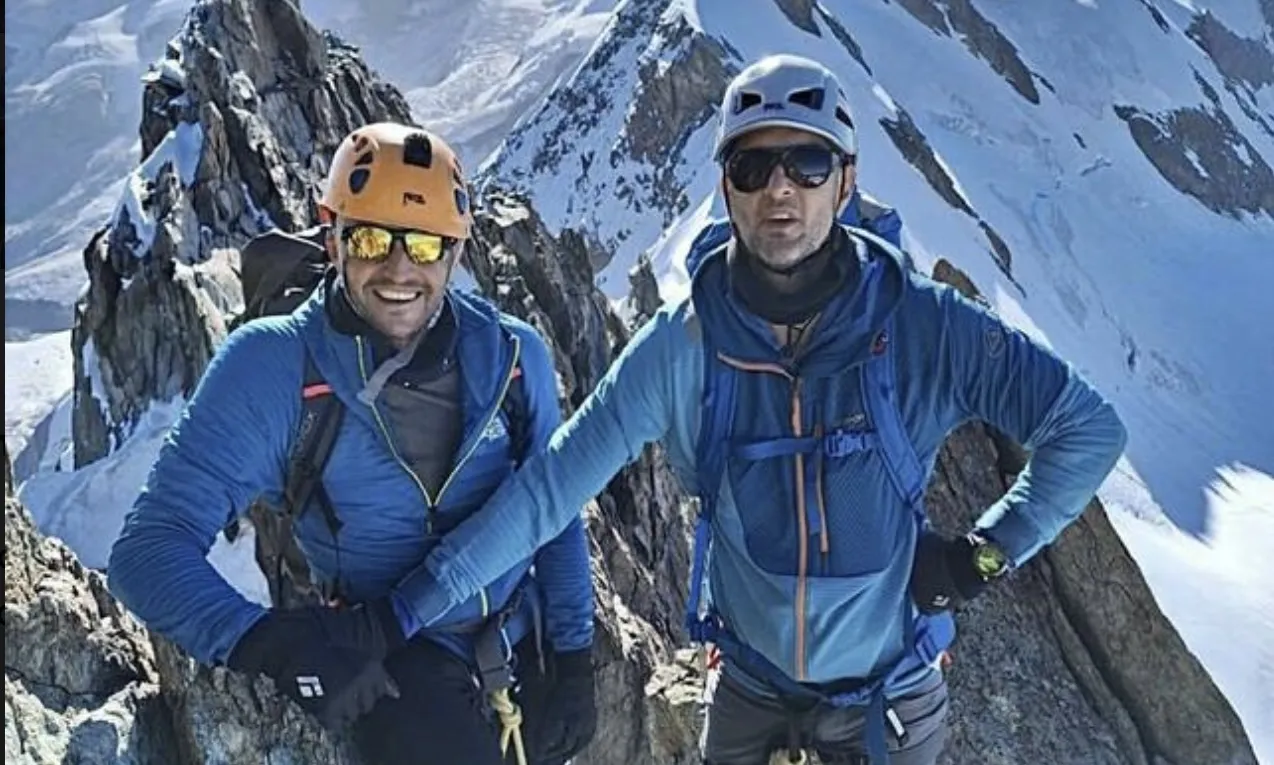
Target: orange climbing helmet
x,y
398,175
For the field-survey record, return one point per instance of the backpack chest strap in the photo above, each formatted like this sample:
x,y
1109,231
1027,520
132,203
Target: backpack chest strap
x,y
837,444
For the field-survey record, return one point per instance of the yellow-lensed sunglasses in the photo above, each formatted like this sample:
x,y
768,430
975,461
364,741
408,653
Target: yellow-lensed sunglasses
x,y
368,242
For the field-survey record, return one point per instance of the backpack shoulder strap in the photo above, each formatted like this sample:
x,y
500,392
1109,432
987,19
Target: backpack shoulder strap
x,y
717,409
518,414
321,417
880,384
517,409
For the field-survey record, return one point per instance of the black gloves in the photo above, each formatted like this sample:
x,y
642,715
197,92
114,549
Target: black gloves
x,y
327,660
370,627
566,718
946,572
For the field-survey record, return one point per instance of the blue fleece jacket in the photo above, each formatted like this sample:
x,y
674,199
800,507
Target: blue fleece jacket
x,y
955,362
231,445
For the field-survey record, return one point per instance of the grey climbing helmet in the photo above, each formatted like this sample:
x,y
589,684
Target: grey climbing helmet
x,y
784,90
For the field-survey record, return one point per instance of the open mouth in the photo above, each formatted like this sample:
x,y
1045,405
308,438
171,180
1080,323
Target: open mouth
x,y
397,296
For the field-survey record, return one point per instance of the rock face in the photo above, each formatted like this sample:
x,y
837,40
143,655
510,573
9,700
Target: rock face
x,y
239,120
614,133
1057,665
79,677
1199,150
961,20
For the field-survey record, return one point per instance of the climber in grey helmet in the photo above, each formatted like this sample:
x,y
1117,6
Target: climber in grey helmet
x,y
803,390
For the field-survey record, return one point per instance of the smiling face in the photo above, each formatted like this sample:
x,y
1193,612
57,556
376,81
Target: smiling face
x,y
393,293
784,221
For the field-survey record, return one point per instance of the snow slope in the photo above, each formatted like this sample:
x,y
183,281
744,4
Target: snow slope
x,y
1158,299
487,61
72,107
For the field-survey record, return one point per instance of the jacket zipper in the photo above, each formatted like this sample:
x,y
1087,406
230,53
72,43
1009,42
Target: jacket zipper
x,y
802,574
431,504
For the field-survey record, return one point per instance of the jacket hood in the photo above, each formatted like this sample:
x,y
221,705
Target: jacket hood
x,y
842,335
345,355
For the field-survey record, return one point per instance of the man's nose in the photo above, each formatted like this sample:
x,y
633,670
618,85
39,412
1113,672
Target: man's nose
x,y
398,264
779,185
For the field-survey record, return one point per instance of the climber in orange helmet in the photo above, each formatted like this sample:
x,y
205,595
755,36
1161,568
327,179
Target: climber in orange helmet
x,y
431,397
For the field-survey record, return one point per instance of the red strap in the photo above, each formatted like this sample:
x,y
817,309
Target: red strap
x,y
316,390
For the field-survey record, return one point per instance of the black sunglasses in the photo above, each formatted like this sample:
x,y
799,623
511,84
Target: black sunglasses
x,y
807,165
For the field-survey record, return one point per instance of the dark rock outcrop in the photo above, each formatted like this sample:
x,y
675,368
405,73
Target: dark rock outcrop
x,y
801,14
239,120
1241,59
915,148
961,20
643,291
676,97
1201,153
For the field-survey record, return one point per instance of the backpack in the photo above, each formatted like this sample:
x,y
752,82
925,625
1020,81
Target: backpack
x,y
860,212
928,636
278,271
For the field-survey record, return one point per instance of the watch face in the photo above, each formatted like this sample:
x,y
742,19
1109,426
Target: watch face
x,y
989,560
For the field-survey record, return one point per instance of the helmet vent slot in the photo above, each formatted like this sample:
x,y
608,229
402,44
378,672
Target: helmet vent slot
x,y
417,150
746,101
810,98
843,116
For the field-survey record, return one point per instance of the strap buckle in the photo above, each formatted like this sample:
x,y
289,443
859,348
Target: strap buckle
x,y
842,443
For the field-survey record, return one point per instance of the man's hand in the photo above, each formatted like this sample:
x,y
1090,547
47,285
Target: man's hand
x,y
567,719
328,661
946,573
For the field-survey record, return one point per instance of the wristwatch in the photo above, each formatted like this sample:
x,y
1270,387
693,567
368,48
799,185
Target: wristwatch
x,y
989,560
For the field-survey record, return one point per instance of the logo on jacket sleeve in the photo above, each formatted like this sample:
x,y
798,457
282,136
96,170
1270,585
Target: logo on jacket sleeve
x,y
993,337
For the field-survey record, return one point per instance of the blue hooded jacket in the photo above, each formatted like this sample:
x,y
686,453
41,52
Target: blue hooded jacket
x,y
955,362
231,444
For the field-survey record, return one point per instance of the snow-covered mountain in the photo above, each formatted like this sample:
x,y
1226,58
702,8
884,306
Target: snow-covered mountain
x,y
72,105
468,69
1101,169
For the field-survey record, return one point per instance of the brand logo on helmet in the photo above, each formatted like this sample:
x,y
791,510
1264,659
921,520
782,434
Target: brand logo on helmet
x,y
413,197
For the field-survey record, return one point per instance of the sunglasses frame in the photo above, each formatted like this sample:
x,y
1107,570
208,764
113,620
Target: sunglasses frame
x,y
396,235
782,156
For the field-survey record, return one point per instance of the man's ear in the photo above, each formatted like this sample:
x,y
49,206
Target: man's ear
x,y
725,196
848,178
330,244
328,220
